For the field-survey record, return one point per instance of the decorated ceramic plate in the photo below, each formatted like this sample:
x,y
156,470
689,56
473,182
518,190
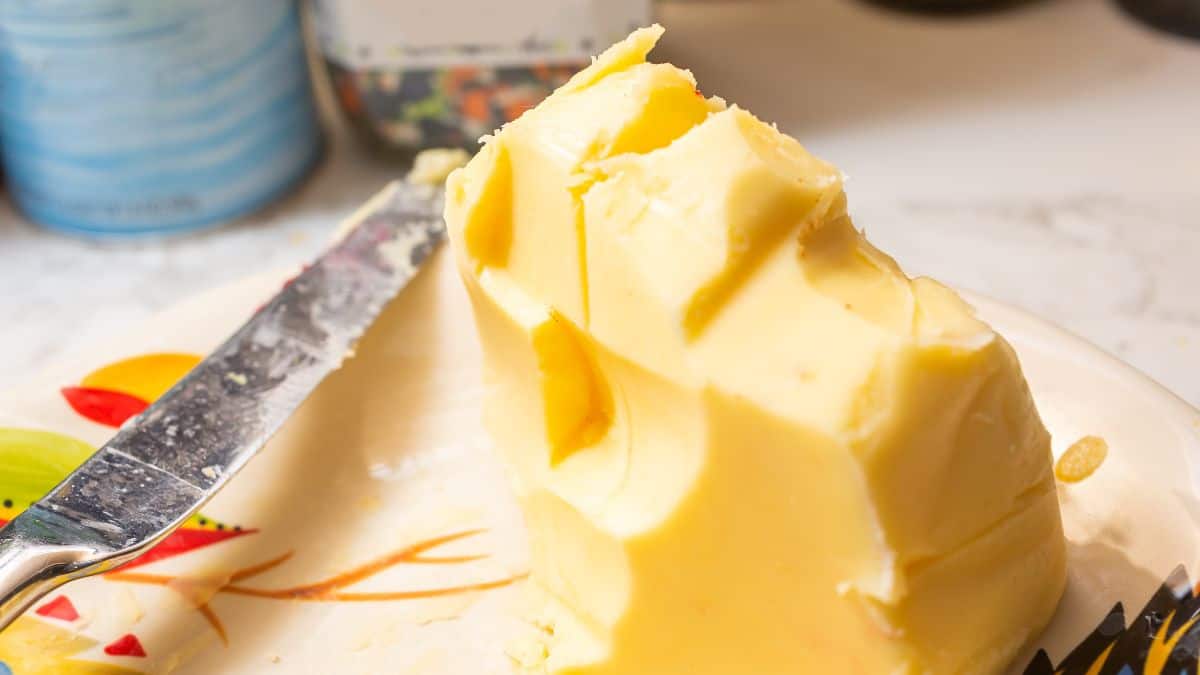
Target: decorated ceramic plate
x,y
376,533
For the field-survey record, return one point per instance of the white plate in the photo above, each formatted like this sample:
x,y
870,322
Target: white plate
x,y
389,453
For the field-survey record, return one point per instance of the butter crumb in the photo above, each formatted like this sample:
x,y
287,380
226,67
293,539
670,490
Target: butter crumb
x,y
370,503
449,608
431,167
128,609
198,590
528,655
361,643
1081,459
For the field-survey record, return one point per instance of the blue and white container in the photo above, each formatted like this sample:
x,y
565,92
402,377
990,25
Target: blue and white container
x,y
128,117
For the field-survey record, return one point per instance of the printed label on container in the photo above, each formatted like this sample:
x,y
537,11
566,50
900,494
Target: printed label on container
x,y
384,34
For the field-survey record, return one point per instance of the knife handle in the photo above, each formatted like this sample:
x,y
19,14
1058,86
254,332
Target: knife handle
x,y
29,569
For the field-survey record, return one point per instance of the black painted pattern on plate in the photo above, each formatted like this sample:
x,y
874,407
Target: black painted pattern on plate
x,y
1162,639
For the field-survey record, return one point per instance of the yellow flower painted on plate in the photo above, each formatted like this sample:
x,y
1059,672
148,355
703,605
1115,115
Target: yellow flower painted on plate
x,y
35,647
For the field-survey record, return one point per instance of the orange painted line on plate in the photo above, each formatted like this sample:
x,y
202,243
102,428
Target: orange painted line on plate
x,y
291,594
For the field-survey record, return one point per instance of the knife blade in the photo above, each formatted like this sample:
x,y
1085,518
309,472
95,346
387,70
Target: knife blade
x,y
164,464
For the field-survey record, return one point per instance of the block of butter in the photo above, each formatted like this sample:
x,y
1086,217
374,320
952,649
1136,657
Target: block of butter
x,y
743,439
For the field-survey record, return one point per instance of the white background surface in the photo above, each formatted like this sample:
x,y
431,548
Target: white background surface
x,y
1048,156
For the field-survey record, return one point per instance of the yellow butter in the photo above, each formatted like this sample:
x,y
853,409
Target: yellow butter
x,y
432,166
743,439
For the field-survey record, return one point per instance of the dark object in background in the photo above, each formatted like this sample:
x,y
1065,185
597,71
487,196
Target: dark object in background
x,y
1181,17
948,7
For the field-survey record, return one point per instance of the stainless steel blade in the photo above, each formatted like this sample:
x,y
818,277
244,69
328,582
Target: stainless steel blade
x,y
164,464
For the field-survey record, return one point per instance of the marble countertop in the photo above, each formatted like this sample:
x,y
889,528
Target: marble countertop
x,y
1047,156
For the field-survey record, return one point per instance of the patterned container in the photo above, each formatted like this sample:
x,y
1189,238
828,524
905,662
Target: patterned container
x,y
128,117
441,73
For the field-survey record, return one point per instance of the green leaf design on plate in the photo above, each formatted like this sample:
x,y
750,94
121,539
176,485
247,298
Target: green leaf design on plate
x,y
32,462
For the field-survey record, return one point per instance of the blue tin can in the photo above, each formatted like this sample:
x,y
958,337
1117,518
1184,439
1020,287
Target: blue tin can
x,y
129,117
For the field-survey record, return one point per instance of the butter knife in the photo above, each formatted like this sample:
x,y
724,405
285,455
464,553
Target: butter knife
x,y
166,463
